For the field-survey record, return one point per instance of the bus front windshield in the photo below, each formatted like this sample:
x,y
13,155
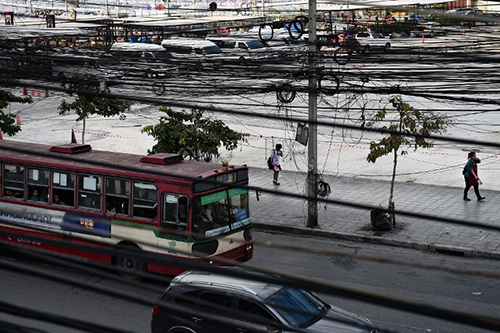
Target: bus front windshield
x,y
220,212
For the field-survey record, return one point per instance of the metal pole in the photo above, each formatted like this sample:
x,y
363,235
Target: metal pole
x,y
312,174
31,8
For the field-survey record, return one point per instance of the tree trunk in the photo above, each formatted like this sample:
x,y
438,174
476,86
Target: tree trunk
x,y
83,132
393,179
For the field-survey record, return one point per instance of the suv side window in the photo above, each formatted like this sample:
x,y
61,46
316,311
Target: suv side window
x,y
216,298
242,46
187,299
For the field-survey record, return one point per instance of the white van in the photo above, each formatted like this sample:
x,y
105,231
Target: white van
x,y
194,53
142,59
190,46
242,46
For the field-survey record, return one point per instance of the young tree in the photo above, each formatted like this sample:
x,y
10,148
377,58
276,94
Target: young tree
x,y
407,120
8,120
189,130
9,72
87,103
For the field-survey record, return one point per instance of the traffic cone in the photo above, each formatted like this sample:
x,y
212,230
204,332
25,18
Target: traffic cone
x,y
32,92
445,48
47,93
423,39
25,91
73,137
38,94
18,119
1,135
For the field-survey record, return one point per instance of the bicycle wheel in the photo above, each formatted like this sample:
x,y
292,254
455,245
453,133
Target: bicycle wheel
x,y
328,84
158,88
285,93
342,55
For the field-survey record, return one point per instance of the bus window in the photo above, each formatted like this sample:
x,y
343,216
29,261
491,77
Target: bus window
x,y
239,204
89,191
63,184
211,214
174,212
38,185
145,200
13,181
117,195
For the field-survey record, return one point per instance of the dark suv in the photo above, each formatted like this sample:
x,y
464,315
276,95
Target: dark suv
x,y
218,303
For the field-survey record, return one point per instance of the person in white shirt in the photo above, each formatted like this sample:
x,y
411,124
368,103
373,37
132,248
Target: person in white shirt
x,y
275,154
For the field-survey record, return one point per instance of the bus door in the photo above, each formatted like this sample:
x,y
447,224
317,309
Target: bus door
x,y
174,222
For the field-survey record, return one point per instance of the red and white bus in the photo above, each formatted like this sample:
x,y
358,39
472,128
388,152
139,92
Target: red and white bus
x,y
157,203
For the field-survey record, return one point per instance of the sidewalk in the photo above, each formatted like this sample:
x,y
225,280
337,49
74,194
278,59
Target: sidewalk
x,y
285,214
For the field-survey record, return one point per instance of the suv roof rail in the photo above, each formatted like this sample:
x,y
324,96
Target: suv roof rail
x,y
220,284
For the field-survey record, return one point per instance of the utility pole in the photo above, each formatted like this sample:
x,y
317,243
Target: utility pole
x,y
312,173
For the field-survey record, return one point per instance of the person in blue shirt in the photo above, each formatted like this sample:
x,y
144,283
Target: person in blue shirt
x,y
471,176
36,196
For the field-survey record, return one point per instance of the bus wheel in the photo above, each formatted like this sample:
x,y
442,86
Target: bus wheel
x,y
131,267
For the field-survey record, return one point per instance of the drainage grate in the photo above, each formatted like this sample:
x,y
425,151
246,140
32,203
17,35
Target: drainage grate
x,y
451,252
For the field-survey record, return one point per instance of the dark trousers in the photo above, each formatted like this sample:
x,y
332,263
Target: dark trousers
x,y
468,186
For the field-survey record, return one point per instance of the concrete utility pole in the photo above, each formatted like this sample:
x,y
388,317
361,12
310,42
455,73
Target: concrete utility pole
x,y
312,173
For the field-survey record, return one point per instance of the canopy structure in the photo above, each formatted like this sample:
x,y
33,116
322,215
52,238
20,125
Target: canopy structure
x,y
343,5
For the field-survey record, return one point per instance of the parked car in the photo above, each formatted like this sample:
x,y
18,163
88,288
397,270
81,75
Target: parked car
x,y
430,29
221,303
141,59
242,46
371,41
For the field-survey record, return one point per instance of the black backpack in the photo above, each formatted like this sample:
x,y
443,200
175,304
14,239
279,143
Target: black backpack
x,y
464,171
270,163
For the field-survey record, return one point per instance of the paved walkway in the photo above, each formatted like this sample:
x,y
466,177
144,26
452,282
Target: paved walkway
x,y
281,213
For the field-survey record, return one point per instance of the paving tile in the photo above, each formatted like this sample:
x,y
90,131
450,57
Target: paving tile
x,y
417,198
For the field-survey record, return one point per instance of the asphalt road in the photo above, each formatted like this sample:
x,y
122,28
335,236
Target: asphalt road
x,y
458,292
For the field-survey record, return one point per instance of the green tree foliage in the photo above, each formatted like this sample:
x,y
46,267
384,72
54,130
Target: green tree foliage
x,y
181,130
407,121
87,103
8,72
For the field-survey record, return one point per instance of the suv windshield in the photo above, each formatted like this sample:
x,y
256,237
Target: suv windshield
x,y
220,212
298,307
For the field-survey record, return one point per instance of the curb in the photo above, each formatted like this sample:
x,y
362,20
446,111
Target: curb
x,y
434,248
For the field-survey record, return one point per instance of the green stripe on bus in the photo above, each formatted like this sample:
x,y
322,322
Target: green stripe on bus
x,y
237,191
211,198
134,224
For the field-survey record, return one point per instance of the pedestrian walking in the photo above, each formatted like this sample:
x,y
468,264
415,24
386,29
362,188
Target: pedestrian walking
x,y
275,157
471,176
